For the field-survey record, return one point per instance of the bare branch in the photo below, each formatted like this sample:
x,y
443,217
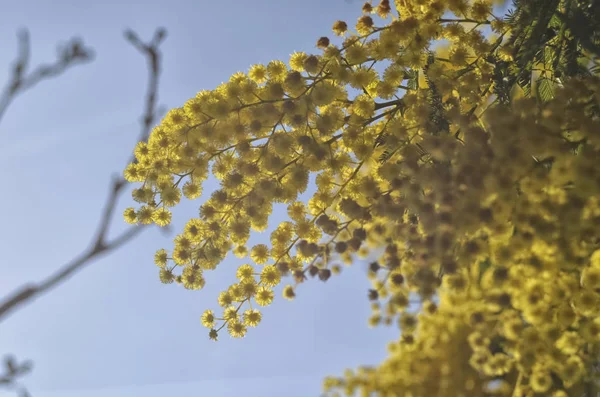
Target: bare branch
x,y
100,245
152,54
68,55
29,292
13,370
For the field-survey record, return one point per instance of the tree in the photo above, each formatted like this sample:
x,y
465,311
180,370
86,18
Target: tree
x,y
455,148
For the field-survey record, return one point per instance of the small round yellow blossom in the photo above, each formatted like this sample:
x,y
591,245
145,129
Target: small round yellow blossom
x,y
130,216
340,27
208,319
288,292
236,329
166,276
240,251
258,73
270,276
252,317
162,217
590,278
225,299
259,253
144,215
191,190
245,272
161,257
297,61
264,296
540,381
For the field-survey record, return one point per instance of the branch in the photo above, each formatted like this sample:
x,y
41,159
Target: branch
x,y
463,20
100,245
71,54
12,372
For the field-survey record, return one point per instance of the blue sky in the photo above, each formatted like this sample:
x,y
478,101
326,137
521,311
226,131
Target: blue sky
x,y
114,330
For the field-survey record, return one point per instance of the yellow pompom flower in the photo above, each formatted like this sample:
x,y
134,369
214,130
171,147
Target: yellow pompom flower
x,y
586,303
364,25
166,276
208,319
235,290
191,190
144,215
248,288
194,109
572,371
239,230
478,341
240,251
259,254
590,278
133,173
565,315
230,313
506,53
407,322
374,320
288,292
264,296
363,106
245,272
236,329
258,73
161,257
362,77
297,61
481,10
225,299
141,150
569,343
162,217
339,28
323,94
170,196
270,276
252,317
192,279
277,70
540,381
130,216
296,211
386,90
175,119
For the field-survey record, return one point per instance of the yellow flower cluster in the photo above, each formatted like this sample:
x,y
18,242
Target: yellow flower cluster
x,y
481,204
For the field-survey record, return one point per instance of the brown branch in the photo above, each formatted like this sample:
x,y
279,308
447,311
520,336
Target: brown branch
x,y
71,54
13,370
463,20
100,244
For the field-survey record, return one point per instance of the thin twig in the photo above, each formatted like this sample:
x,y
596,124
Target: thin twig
x,y
13,370
71,54
100,244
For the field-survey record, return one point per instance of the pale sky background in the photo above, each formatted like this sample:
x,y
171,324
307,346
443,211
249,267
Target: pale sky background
x,y
113,329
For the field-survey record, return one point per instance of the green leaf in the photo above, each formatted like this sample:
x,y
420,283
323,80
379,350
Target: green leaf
x,y
545,89
549,56
412,79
